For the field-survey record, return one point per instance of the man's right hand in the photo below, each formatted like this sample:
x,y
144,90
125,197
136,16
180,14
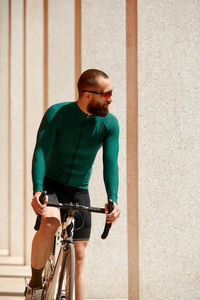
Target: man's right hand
x,y
37,206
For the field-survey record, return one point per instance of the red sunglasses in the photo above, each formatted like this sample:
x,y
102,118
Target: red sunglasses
x,y
106,94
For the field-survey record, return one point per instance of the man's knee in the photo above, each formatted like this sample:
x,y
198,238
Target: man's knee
x,y
80,251
49,226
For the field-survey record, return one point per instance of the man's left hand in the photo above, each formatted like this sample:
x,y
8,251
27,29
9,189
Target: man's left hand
x,y
114,215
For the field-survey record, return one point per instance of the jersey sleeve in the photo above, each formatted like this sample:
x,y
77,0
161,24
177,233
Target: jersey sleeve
x,y
110,160
45,138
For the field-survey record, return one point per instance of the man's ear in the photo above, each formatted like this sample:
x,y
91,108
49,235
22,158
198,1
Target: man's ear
x,y
88,97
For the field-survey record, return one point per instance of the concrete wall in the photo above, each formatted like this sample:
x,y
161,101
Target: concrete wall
x,y
39,64
169,147
40,60
4,37
104,47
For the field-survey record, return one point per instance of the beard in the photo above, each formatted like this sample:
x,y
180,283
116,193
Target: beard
x,y
97,109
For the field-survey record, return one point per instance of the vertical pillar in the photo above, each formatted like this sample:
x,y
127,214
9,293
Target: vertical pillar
x,y
34,102
4,78
132,148
9,123
16,129
104,47
77,43
24,135
61,51
45,72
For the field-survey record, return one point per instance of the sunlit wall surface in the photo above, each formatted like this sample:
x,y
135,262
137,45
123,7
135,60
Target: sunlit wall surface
x,y
169,147
38,68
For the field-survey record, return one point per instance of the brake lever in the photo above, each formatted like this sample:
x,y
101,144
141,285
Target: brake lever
x,y
108,226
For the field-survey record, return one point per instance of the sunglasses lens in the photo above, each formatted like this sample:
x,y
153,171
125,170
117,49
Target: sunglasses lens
x,y
107,94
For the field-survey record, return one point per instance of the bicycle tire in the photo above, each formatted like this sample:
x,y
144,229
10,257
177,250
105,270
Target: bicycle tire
x,y
55,290
67,276
52,287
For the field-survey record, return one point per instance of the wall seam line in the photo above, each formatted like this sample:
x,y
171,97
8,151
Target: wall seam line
x,y
132,149
45,75
9,127
77,44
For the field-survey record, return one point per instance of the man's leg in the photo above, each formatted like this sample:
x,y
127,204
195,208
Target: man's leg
x,y
42,244
79,269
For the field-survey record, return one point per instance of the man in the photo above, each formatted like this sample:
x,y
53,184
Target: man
x,y
69,137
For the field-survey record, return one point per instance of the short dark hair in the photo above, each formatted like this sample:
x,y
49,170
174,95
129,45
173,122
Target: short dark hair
x,y
88,79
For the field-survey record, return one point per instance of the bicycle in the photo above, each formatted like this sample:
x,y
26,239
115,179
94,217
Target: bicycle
x,y
58,275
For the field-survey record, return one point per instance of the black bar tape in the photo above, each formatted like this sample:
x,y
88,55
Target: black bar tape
x,y
39,217
108,226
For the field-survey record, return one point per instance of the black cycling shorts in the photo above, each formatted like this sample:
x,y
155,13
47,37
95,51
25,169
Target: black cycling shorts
x,y
58,192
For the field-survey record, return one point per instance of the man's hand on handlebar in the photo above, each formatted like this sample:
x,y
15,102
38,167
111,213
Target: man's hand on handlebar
x,y
114,215
37,206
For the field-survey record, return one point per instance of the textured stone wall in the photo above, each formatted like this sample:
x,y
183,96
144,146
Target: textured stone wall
x,y
104,47
169,147
37,69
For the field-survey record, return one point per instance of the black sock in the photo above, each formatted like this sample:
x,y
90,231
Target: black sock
x,y
36,279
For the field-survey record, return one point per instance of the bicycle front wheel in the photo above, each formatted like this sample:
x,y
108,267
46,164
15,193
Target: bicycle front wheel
x,y
62,283
66,280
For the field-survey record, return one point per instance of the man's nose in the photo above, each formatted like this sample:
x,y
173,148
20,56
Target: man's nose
x,y
109,100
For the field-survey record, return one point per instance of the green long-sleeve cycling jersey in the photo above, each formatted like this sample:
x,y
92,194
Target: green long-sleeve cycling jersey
x,y
67,143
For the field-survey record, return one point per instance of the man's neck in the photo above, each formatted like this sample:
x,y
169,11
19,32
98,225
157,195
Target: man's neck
x,y
82,107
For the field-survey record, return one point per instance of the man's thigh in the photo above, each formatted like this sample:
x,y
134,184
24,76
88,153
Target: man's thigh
x,y
51,212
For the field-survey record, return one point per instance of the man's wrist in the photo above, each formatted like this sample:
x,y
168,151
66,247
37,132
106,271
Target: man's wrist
x,y
115,201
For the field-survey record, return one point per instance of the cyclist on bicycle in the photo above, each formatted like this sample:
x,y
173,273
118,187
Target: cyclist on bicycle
x,y
68,139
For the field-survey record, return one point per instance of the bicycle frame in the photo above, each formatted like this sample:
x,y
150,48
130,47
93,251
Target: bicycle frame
x,y
54,287
54,280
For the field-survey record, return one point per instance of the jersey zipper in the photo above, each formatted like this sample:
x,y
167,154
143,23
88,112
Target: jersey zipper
x,y
74,155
